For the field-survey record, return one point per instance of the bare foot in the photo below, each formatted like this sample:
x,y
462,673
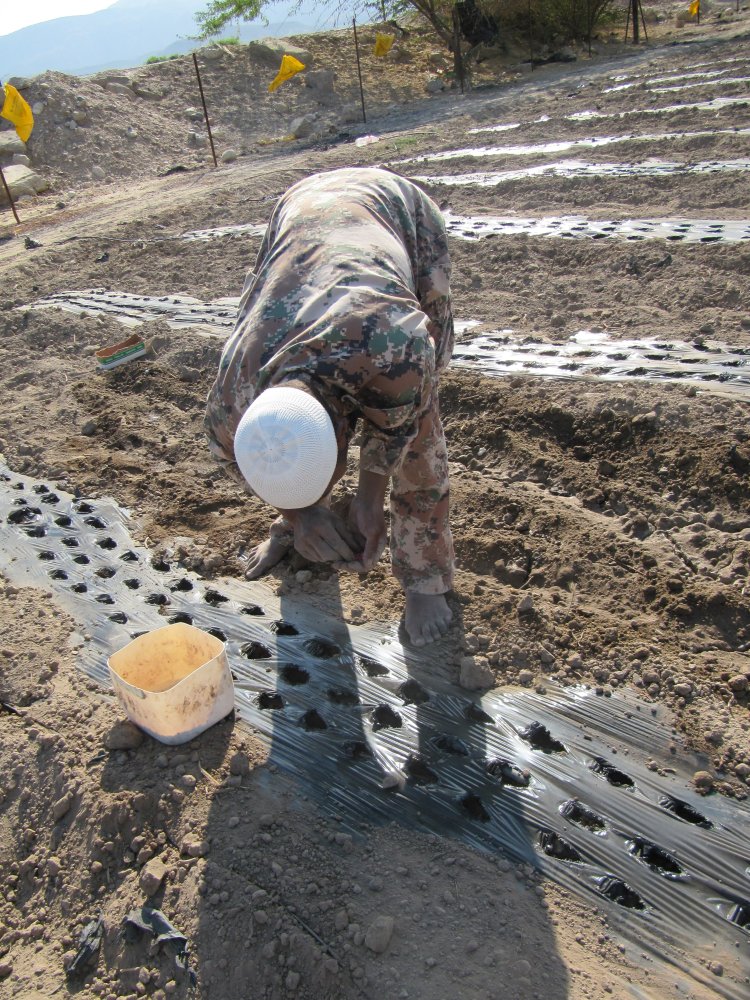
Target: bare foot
x,y
265,555
427,617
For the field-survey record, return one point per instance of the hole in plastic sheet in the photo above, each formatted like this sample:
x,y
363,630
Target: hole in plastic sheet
x,y
412,693
71,543
104,599
473,806
158,600
290,673
137,635
95,522
270,700
18,486
508,773
82,560
119,617
132,583
214,598
384,717
83,508
684,811
160,565
540,738
555,846
184,585
51,498
63,521
106,543
321,648
613,774
356,749
58,574
217,633
312,720
39,488
342,696
580,814
79,588
655,857
371,667
47,556
180,618
254,610
37,531
419,771
740,915
129,556
476,714
23,515
256,651
105,572
620,892
281,627
450,744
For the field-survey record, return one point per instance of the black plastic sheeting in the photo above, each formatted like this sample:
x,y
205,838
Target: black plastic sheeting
x,y
557,781
575,227
596,355
579,168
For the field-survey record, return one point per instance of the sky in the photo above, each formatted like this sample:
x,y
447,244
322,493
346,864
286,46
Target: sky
x,y
21,15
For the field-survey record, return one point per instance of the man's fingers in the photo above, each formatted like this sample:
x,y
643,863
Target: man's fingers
x,y
339,541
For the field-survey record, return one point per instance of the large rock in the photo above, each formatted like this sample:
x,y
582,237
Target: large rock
x,y
22,180
303,127
121,89
321,82
270,51
10,144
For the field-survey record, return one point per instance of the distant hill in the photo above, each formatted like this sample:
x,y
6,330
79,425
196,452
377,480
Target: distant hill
x,y
130,31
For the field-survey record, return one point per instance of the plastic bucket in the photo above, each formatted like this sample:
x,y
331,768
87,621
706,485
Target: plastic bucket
x,y
174,682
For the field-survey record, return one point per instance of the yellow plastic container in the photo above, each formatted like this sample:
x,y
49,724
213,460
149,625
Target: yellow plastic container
x,y
174,682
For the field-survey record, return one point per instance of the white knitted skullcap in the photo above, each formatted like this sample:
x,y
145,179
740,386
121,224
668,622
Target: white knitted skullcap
x,y
285,446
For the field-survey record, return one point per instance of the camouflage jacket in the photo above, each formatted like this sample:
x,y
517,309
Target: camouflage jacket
x,y
350,295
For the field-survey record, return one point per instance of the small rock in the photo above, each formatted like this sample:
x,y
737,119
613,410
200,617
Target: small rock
x,y
379,934
152,876
475,673
5,969
525,605
303,576
61,807
89,428
716,967
738,683
98,172
703,781
54,867
229,156
526,678
195,848
292,980
123,736
239,764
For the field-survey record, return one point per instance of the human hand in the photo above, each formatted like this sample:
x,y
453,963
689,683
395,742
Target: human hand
x,y
367,521
322,536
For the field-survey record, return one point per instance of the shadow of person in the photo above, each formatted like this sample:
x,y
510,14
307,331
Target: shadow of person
x,y
316,878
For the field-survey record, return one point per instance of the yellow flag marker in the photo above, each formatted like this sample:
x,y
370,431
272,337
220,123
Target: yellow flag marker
x,y
694,8
383,44
289,68
16,110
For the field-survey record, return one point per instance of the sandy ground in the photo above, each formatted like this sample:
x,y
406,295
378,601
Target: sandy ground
x,y
620,509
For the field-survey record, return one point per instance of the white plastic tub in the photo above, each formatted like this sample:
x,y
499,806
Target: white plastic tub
x,y
174,682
